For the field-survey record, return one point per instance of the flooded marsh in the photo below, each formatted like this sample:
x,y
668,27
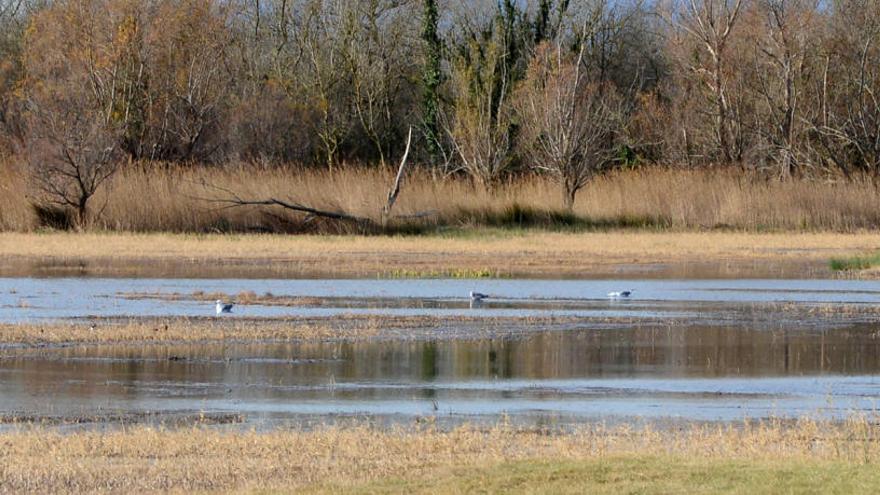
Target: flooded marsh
x,y
539,352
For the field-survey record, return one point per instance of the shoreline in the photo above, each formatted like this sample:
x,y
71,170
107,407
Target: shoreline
x,y
211,451
492,254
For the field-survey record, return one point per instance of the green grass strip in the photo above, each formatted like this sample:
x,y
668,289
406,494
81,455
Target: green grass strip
x,y
637,475
855,263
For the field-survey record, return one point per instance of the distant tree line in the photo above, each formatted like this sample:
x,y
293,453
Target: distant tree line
x,y
790,88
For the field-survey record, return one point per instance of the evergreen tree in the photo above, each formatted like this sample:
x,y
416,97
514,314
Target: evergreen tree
x,y
431,79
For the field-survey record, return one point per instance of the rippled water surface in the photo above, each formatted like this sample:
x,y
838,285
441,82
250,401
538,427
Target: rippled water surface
x,y
30,299
676,353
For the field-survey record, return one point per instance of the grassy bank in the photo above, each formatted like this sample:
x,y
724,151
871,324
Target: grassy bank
x,y
767,457
178,199
637,474
496,253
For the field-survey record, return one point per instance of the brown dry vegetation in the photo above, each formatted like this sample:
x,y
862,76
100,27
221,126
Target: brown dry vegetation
x,y
185,330
493,252
211,329
241,298
89,87
177,199
97,331
344,458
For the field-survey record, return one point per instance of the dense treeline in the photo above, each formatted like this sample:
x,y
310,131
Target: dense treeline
x,y
565,88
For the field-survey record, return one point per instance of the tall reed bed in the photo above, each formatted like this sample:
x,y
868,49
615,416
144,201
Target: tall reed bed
x,y
155,197
16,211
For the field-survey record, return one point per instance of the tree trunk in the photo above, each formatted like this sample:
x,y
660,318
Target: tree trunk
x,y
569,193
721,122
82,212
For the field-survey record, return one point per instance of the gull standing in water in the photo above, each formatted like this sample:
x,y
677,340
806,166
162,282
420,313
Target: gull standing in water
x,y
618,295
478,296
223,308
477,299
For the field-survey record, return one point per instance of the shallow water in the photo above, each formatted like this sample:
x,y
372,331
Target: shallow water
x,y
562,377
707,350
35,299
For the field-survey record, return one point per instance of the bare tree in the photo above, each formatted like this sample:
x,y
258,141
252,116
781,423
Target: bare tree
x,y
376,53
483,141
74,103
72,152
272,118
321,41
710,24
480,124
849,89
784,40
570,124
189,80
606,31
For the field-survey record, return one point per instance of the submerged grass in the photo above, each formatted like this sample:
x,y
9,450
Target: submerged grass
x,y
456,273
241,298
856,263
768,456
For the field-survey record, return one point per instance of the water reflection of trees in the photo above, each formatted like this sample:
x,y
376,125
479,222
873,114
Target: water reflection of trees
x,y
667,351
645,351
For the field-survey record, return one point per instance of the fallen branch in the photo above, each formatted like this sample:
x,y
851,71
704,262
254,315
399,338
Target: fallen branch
x,y
296,207
234,200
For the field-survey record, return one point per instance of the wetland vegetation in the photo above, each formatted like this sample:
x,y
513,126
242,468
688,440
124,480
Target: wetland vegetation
x,y
803,456
424,393
346,172
531,254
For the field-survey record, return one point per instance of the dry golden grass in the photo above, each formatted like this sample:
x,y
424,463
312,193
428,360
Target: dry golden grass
x,y
618,245
15,210
302,329
156,197
537,253
671,206
656,197
335,458
211,329
181,330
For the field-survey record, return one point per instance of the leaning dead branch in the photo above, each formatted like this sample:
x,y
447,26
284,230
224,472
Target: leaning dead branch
x,y
395,188
233,200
